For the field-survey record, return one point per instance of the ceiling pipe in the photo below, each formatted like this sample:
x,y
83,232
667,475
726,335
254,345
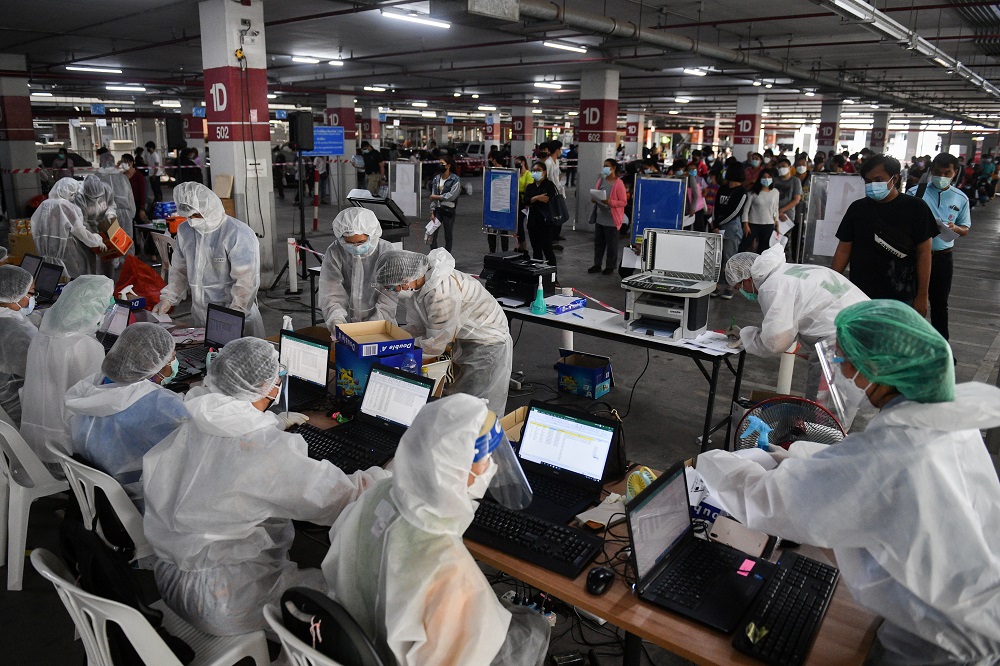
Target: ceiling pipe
x,y
551,11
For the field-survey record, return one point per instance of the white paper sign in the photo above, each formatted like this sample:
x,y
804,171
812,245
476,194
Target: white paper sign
x,y
826,241
500,193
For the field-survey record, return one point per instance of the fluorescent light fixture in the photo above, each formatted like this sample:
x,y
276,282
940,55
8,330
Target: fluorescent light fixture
x,y
168,103
374,88
565,46
942,62
681,100
534,101
849,101
456,94
272,96
422,105
757,82
429,114
809,93
104,70
475,96
547,85
41,94
574,113
416,18
690,71
673,113
336,63
768,85
874,106
305,60
126,88
487,108
536,110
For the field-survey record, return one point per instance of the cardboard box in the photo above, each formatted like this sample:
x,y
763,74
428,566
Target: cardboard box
x,y
20,245
374,338
229,206
438,371
513,423
117,241
583,374
352,370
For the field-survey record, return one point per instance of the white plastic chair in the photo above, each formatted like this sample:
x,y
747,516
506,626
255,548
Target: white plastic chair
x,y
5,417
297,652
164,244
91,615
25,479
83,479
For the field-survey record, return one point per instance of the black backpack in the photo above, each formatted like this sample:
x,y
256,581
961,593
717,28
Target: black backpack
x,y
338,636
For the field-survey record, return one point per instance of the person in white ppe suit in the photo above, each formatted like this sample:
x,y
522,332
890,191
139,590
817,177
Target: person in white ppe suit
x,y
221,493
444,306
60,235
120,413
96,199
799,302
217,257
346,294
909,507
112,175
397,562
62,353
17,300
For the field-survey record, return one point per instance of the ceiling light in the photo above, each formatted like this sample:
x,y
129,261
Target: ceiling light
x,y
416,18
475,97
673,113
422,105
457,94
487,108
374,88
547,85
126,88
768,85
695,72
534,101
336,63
565,46
574,113
810,93
106,70
272,96
874,106
849,101
429,114
41,94
536,110
168,103
757,82
305,60
681,100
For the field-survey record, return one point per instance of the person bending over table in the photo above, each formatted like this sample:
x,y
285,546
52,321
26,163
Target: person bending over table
x,y
397,562
909,506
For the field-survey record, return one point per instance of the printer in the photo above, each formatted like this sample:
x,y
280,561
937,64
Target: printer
x,y
670,297
390,217
514,275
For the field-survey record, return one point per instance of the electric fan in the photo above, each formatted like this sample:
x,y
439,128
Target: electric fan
x,y
786,419
637,481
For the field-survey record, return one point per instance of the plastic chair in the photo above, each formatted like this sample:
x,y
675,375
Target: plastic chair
x,y
25,479
297,652
91,615
83,479
344,641
164,245
5,417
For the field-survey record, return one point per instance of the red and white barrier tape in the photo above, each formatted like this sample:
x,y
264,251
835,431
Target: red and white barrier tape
x,y
601,303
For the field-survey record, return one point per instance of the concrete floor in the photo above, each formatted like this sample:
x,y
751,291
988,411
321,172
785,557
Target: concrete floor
x,y
663,421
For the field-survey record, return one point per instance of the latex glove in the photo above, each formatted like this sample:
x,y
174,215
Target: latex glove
x,y
733,332
102,247
163,307
735,344
777,453
288,419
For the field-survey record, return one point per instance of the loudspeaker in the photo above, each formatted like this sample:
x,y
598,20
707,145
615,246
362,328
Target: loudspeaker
x,y
175,133
300,130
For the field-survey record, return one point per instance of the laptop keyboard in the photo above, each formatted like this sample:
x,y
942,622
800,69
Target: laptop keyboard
x,y
556,491
323,446
196,355
372,436
688,576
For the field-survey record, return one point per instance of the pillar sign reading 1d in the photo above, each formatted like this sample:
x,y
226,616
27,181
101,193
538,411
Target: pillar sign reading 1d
x,y
591,115
220,98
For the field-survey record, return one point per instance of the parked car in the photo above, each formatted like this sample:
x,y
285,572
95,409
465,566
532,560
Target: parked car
x,y
48,157
470,158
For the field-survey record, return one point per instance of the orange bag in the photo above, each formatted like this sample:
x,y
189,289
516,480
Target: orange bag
x,y
145,280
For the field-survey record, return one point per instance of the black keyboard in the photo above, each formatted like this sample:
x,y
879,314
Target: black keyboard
x,y
556,491
559,548
374,437
648,284
349,458
698,564
194,355
786,615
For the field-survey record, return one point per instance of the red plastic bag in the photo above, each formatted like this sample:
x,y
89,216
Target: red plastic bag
x,y
145,280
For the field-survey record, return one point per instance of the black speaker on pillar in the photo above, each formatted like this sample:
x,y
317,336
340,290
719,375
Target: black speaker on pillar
x,y
175,133
300,130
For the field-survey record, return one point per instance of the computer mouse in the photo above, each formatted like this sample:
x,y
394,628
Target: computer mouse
x,y
599,580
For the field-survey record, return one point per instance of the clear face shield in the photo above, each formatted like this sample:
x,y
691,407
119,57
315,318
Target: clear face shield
x,y
839,394
503,477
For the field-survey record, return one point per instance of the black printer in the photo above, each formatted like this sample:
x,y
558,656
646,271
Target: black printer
x,y
514,275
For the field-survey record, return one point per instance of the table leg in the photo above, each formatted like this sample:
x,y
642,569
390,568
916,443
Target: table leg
x,y
312,297
713,385
736,395
633,650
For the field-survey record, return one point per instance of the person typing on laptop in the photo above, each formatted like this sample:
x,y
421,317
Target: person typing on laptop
x,y
909,506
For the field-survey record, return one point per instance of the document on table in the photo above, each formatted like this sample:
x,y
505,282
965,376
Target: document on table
x,y
710,342
598,195
945,234
500,192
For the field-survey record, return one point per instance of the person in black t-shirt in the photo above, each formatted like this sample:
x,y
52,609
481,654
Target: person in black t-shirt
x,y
885,238
374,167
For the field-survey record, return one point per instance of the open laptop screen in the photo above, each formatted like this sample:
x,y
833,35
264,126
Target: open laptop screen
x,y
395,398
222,326
659,519
30,263
305,360
566,442
47,280
116,320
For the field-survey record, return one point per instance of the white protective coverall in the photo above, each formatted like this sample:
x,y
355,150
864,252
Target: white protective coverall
x,y
96,200
121,190
16,332
60,234
62,353
910,508
221,493
455,307
398,565
217,257
346,294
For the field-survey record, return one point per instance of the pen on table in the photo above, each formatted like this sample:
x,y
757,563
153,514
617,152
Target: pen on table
x,y
732,322
578,316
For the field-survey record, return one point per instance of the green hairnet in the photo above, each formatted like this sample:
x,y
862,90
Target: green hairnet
x,y
893,345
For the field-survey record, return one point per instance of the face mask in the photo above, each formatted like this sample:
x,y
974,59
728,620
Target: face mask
x,y
693,172
30,307
606,171
749,295
783,171
175,367
755,163
709,159
360,250
941,182
406,293
877,191
852,394
766,182
481,482
801,169
767,160
647,171
536,175
270,400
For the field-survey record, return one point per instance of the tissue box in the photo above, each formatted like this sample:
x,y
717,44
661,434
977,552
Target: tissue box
x,y
352,370
559,304
583,374
373,338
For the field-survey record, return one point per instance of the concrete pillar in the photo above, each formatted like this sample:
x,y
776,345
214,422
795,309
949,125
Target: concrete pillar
x,y
17,138
523,135
710,134
371,126
912,138
492,133
828,135
879,137
746,130
634,130
195,130
339,112
598,128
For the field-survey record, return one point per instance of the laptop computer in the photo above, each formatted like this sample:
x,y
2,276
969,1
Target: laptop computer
x,y
47,282
564,453
31,263
307,361
703,580
115,321
222,326
678,261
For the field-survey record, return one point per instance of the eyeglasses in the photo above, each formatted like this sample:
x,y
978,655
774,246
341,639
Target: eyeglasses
x,y
354,243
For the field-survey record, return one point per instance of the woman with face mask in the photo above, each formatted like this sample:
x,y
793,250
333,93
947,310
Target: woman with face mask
x,y
222,490
540,198
760,213
121,412
17,300
445,190
609,214
345,292
752,169
216,256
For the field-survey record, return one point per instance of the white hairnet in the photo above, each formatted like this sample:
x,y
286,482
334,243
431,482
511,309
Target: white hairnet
x,y
738,267
433,463
65,188
15,283
399,267
192,197
245,369
139,353
769,261
93,187
80,308
354,221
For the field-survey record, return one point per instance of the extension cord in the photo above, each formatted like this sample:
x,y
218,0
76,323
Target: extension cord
x,y
509,595
590,616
